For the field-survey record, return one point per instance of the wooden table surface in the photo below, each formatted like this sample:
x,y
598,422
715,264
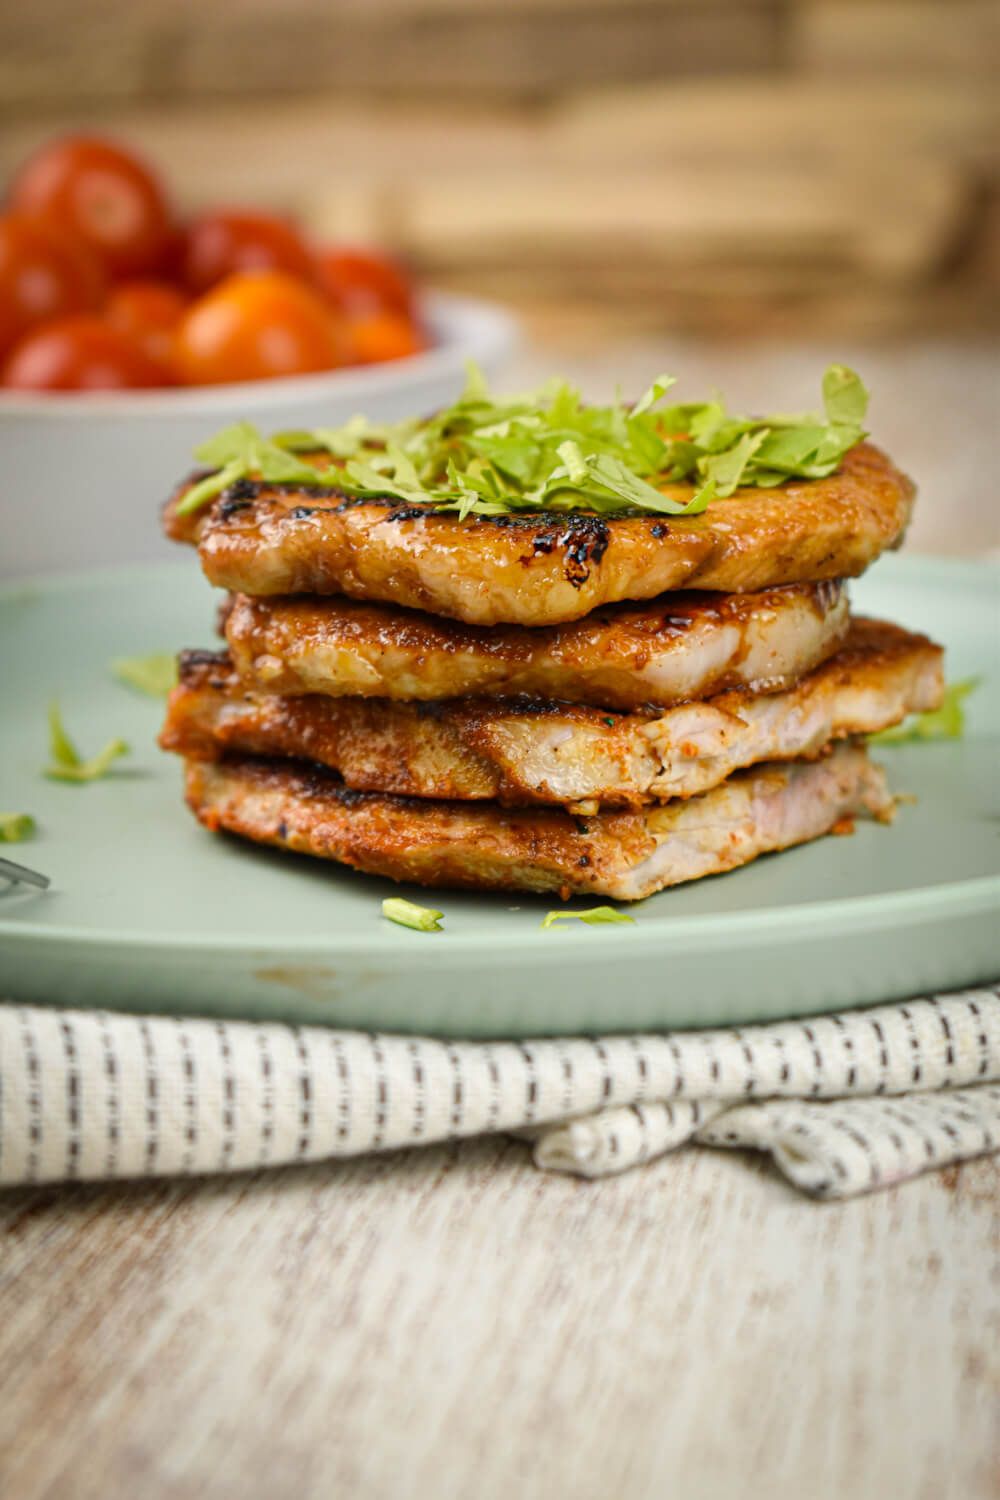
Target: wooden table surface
x,y
452,1323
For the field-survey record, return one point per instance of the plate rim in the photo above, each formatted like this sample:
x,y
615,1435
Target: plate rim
x,y
857,913
970,896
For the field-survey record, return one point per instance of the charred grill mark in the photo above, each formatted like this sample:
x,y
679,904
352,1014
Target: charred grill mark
x,y
231,505
408,513
242,492
345,795
196,657
196,668
525,703
303,512
583,535
254,489
242,489
583,539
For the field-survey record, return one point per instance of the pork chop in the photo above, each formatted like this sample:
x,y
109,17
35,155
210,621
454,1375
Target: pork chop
x,y
543,568
528,751
623,855
624,656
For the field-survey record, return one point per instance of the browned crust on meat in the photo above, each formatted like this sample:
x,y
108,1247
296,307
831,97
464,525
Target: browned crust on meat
x,y
607,659
308,811
475,749
481,846
545,569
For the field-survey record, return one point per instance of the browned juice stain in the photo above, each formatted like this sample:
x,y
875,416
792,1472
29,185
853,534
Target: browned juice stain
x,y
314,981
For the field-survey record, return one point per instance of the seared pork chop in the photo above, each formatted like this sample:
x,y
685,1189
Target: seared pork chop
x,y
527,751
624,656
624,855
543,568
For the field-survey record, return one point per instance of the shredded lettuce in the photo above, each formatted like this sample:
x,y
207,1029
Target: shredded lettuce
x,y
409,914
545,450
595,917
154,675
15,827
67,764
944,723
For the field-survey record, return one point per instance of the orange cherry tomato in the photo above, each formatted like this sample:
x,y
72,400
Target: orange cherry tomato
x,y
384,335
221,243
43,274
148,313
83,353
254,326
363,281
101,193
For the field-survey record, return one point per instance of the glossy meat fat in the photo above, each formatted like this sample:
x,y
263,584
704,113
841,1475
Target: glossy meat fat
x,y
529,751
544,569
680,646
621,855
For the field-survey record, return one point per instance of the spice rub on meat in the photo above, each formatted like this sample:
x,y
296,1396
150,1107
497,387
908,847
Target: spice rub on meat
x,y
681,646
541,569
622,855
521,752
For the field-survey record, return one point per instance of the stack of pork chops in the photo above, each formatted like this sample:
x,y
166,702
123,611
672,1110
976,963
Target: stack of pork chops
x,y
562,700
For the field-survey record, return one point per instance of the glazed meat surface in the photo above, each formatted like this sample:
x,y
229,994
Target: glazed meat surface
x,y
622,855
527,751
544,569
681,646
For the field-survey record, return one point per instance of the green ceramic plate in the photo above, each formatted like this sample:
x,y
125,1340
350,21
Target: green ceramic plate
x,y
148,911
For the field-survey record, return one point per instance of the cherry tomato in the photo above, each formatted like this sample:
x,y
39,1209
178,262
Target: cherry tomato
x,y
148,313
256,325
229,240
384,335
103,194
363,281
43,274
83,353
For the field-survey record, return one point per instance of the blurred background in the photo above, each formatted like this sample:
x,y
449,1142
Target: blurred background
x,y
737,190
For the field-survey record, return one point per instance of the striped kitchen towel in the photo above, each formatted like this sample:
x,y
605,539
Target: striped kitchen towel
x,y
843,1103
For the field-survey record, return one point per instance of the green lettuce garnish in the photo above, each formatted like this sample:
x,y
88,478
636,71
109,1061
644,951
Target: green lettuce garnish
x,y
944,723
15,827
595,917
409,914
236,452
545,450
154,675
67,763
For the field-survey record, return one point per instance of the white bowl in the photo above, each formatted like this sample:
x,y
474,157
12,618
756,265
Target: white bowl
x,y
82,476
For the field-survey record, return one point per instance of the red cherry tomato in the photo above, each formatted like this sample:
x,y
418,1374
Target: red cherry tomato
x,y
229,240
148,313
80,354
384,335
103,194
363,281
43,274
254,326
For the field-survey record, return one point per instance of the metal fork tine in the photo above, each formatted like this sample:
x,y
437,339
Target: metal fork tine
x,y
22,875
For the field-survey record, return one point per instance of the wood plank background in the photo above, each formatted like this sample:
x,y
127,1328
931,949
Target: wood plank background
x,y
451,1323
703,165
